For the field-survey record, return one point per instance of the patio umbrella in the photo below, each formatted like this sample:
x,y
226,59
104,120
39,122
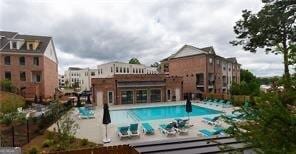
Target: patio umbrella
x,y
188,106
78,101
106,121
88,99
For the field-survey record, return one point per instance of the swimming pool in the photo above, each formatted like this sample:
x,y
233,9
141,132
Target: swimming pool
x,y
157,113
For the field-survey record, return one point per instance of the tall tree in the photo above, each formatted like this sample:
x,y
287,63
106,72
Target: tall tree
x,y
134,61
272,29
156,64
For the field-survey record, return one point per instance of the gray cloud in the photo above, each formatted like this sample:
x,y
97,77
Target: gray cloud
x,y
100,31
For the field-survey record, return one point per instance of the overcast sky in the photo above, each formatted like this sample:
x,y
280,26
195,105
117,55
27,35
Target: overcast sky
x,y
87,33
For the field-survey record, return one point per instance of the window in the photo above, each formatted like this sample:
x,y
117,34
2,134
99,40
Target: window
x,y
111,69
133,70
110,97
120,70
116,69
14,45
218,62
126,97
127,70
36,61
23,76
8,75
141,96
124,70
210,60
155,95
36,77
22,61
92,73
30,46
7,60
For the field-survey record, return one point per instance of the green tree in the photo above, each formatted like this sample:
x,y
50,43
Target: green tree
x,y
249,84
271,126
272,28
6,85
67,129
134,61
247,76
9,102
156,64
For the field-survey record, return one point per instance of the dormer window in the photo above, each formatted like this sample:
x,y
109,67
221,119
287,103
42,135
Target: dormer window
x,y
14,45
30,47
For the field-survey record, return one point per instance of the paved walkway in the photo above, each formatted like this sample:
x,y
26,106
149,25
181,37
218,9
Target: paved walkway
x,y
94,130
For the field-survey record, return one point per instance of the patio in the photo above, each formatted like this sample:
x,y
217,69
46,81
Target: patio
x,y
94,130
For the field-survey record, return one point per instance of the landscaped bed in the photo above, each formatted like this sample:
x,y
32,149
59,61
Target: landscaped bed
x,y
46,143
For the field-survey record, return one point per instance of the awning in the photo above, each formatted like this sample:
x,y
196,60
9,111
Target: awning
x,y
125,84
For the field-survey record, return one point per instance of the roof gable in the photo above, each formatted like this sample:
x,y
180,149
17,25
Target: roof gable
x,y
187,50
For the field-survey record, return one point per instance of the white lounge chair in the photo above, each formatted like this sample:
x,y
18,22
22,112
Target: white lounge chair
x,y
167,129
134,130
123,132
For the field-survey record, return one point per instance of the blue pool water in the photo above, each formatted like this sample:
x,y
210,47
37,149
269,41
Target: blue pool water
x,y
158,113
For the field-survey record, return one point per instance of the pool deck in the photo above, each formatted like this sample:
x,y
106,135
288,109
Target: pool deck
x,y
94,130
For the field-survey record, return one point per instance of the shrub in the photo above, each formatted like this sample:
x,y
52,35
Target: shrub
x,y
84,142
9,102
50,135
6,85
33,151
47,143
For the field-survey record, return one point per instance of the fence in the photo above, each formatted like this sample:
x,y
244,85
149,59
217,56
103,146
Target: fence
x,y
236,99
118,149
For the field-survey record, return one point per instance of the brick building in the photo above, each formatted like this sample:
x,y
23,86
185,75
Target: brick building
x,y
136,88
202,70
30,62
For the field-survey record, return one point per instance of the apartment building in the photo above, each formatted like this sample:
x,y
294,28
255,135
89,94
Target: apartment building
x,y
80,77
112,68
61,80
136,88
203,71
30,62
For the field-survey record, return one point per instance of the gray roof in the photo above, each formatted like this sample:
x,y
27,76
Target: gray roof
x,y
191,145
232,59
197,51
43,42
4,37
74,68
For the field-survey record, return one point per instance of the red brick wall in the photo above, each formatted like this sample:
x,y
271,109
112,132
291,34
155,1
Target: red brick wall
x,y
50,77
47,68
110,84
104,85
187,68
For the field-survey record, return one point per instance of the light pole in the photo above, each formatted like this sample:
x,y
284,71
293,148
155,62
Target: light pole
x,y
28,131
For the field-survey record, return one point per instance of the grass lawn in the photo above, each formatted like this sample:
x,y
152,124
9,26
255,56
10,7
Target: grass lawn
x,y
38,141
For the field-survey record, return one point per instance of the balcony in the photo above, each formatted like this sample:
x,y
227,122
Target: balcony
x,y
211,83
200,84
